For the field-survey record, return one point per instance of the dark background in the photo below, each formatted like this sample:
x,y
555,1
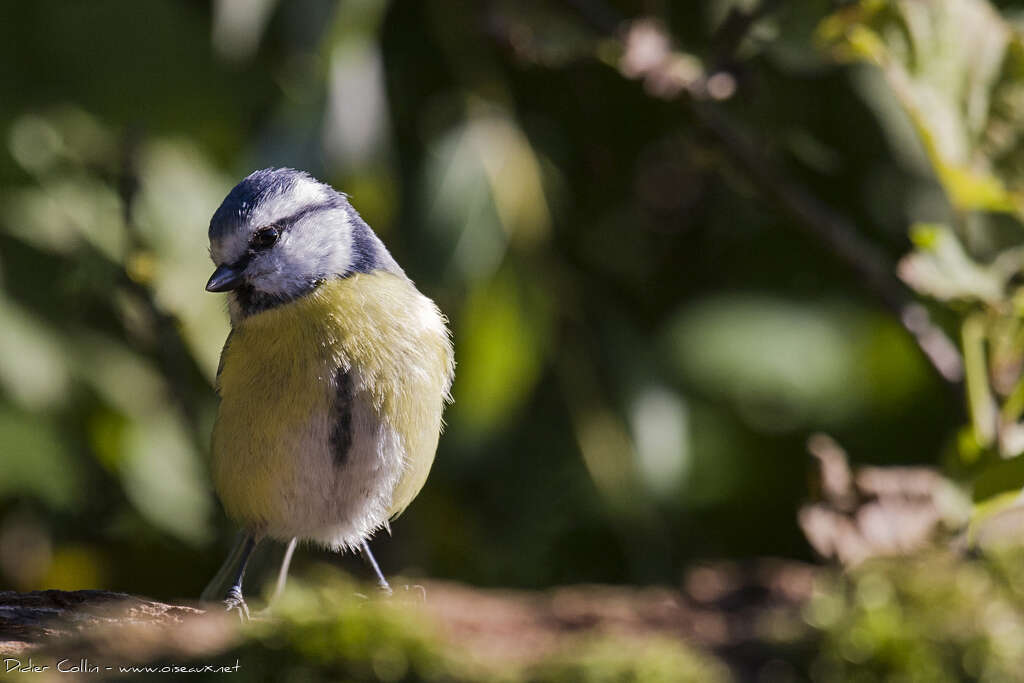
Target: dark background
x,y
645,336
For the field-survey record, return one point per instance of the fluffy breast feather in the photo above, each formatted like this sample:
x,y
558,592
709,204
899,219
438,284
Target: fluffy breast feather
x,y
277,389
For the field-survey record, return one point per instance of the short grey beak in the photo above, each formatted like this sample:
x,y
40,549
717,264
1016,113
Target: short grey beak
x,y
224,279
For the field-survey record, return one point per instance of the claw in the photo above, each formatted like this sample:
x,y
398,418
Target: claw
x,y
235,601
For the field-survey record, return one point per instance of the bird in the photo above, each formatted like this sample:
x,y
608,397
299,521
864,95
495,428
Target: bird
x,y
333,378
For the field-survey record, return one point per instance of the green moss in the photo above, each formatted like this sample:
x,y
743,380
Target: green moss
x,y
627,660
328,629
938,617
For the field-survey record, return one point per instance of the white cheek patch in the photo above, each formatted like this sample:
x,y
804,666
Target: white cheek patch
x,y
322,243
283,202
314,247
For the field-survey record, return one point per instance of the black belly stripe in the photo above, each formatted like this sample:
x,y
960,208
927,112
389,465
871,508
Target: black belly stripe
x,y
341,433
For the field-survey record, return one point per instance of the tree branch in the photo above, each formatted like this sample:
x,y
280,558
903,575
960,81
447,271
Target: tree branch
x,y
818,221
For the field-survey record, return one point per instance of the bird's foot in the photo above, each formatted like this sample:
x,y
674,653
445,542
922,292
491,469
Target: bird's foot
x,y
235,601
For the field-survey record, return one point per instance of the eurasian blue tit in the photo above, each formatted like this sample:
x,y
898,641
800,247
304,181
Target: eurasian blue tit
x,y
334,376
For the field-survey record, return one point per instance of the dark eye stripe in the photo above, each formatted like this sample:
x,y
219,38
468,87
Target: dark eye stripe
x,y
259,241
332,203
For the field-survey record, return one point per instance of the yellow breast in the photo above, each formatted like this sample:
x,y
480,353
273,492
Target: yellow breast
x,y
277,390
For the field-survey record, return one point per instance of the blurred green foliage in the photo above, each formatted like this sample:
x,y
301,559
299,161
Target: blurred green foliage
x,y
955,67
644,338
646,328
935,618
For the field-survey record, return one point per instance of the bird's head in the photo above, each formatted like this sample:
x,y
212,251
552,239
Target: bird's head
x,y
280,233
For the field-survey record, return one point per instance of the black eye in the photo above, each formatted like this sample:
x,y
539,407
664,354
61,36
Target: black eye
x,y
265,238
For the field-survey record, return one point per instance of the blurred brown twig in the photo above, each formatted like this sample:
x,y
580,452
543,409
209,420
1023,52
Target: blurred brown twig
x,y
648,56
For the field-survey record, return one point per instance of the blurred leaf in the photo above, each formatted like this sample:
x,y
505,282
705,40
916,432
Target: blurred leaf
x,y
106,435
238,26
954,65
997,520
35,463
61,211
787,33
500,347
34,143
179,192
165,479
126,381
357,125
999,478
487,193
785,364
660,425
61,137
76,567
160,469
607,449
940,268
33,369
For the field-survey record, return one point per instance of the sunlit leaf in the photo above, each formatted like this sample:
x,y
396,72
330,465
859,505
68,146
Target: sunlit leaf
x,y
164,478
33,369
487,193
61,212
997,520
34,143
238,26
356,126
660,424
607,451
954,65
179,192
500,348
942,269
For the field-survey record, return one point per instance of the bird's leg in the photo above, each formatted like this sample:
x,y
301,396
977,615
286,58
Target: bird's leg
x,y
282,573
382,583
234,599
